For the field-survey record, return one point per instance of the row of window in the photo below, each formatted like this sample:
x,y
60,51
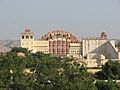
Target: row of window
x,y
42,51
63,45
27,37
74,51
26,43
92,62
57,51
32,43
41,42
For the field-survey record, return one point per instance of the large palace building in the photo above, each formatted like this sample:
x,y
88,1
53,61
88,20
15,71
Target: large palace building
x,y
63,43
93,51
58,42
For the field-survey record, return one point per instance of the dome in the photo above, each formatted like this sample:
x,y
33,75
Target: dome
x,y
60,34
59,38
103,33
27,29
55,39
102,56
51,40
64,39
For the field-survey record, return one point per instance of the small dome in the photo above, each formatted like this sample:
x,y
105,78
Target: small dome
x,y
51,39
64,39
59,38
27,29
103,33
54,39
102,56
68,40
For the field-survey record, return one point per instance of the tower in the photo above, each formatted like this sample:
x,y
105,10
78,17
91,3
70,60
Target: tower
x,y
103,35
27,39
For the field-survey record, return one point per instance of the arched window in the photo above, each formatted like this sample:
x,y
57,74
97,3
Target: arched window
x,y
22,37
27,37
31,37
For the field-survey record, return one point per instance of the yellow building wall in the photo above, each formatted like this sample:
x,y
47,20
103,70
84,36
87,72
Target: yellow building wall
x,y
74,50
41,46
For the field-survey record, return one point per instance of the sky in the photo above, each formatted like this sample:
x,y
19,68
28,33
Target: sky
x,y
82,18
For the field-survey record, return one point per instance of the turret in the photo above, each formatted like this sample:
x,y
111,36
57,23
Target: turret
x,y
27,35
103,35
27,39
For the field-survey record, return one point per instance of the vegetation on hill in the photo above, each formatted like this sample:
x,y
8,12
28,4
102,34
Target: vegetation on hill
x,y
38,71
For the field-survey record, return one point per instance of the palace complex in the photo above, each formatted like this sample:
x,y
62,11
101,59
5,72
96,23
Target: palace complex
x,y
94,51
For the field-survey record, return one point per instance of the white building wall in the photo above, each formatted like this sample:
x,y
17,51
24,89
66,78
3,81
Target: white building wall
x,y
118,55
91,48
41,46
74,50
27,44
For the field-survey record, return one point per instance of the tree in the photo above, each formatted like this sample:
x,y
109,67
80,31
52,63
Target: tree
x,y
107,85
61,73
11,72
20,49
39,71
111,69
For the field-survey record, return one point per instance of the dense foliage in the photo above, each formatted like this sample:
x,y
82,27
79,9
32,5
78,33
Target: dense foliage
x,y
111,70
107,85
38,71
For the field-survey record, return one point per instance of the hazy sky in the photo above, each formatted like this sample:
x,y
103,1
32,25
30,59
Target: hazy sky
x,y
80,17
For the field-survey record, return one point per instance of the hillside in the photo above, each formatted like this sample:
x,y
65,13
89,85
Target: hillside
x,y
5,45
